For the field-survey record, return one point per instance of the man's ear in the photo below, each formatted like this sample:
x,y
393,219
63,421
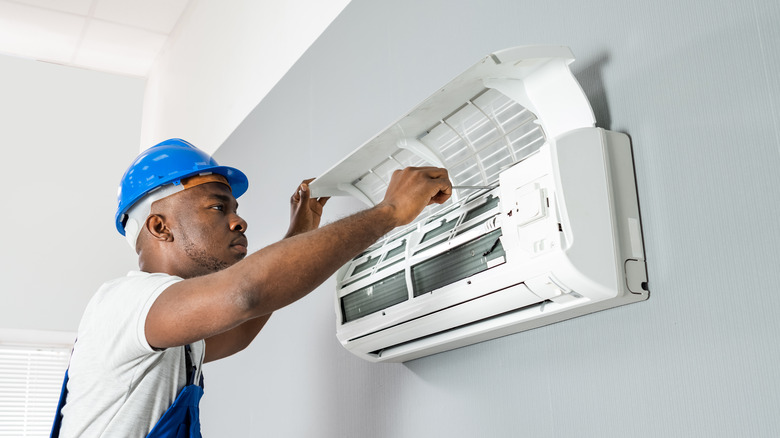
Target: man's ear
x,y
158,228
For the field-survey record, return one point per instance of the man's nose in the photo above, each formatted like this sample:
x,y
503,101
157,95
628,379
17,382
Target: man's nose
x,y
238,224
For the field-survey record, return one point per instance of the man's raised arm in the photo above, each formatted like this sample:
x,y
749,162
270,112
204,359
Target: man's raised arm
x,y
305,215
284,272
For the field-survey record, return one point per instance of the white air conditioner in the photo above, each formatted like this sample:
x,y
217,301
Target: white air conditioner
x,y
552,233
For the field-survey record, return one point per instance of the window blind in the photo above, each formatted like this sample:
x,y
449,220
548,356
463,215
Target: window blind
x,y
30,383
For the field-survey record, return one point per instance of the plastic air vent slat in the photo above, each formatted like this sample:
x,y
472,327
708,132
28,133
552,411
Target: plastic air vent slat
x,y
525,141
454,330
368,264
506,113
445,226
397,250
388,266
494,159
475,141
380,295
472,226
471,124
490,203
409,159
456,264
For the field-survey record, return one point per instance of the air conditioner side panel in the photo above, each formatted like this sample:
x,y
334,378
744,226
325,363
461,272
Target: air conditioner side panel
x,y
594,172
580,168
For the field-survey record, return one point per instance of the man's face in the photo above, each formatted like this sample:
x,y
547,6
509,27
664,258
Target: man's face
x,y
207,229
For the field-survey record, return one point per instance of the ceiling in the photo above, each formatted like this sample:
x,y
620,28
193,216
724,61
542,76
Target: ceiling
x,y
115,36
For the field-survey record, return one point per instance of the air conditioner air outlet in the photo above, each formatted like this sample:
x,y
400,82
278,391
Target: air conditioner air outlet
x,y
378,353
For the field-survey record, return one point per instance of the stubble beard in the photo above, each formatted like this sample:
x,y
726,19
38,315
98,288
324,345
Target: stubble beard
x,y
205,262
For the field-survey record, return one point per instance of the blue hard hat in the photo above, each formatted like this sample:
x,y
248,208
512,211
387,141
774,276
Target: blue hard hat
x,y
167,163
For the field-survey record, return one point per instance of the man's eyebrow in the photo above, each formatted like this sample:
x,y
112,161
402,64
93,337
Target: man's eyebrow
x,y
224,198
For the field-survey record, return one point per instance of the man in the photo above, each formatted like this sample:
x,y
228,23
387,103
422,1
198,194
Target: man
x,y
135,369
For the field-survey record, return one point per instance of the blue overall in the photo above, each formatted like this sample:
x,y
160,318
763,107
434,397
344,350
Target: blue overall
x,y
181,420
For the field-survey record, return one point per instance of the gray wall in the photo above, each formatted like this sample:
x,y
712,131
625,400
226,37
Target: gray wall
x,y
694,84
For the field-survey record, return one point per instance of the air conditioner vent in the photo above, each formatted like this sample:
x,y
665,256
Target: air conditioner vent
x,y
457,263
378,296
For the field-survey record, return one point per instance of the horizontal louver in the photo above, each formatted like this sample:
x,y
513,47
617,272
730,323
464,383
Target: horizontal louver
x,y
30,383
378,296
456,264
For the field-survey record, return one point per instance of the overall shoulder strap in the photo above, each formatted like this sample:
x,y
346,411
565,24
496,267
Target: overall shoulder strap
x,y
55,428
189,364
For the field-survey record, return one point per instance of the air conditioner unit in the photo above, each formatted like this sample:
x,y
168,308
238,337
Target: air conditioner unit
x,y
549,229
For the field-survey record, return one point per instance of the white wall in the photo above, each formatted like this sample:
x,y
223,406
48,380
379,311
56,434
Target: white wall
x,y
695,87
222,60
67,136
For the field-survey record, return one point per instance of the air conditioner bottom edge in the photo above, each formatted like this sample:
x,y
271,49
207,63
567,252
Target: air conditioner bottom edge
x,y
498,326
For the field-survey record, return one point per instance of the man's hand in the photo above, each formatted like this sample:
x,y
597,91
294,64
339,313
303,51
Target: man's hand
x,y
305,212
414,188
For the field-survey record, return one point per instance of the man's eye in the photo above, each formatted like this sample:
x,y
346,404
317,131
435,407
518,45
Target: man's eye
x,y
218,207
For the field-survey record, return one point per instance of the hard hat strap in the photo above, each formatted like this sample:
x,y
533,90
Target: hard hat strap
x,y
136,216
197,180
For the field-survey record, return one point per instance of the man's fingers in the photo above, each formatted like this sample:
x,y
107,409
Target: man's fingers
x,y
323,200
440,198
440,177
412,188
437,172
302,191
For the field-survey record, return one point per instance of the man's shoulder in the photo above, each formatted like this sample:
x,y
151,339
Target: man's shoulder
x,y
124,301
140,277
134,283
